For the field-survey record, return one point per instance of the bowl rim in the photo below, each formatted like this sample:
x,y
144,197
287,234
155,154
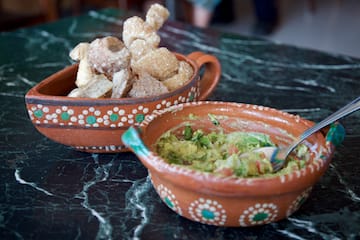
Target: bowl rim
x,y
208,183
34,96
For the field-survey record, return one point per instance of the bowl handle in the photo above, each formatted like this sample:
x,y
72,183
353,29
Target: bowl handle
x,y
335,134
132,140
211,75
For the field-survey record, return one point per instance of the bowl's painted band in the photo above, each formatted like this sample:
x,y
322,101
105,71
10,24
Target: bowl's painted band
x,y
56,115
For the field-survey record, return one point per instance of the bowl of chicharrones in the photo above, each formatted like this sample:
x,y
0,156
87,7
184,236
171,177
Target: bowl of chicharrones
x,y
116,83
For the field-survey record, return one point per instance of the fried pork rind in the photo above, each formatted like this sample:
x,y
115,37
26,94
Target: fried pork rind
x,y
79,51
122,82
85,73
108,55
156,16
185,72
160,64
146,86
136,28
139,48
99,87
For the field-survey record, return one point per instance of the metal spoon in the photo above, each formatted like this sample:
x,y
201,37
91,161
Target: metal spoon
x,y
277,156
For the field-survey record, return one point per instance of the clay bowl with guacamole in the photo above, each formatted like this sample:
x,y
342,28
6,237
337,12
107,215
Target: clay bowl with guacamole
x,y
194,153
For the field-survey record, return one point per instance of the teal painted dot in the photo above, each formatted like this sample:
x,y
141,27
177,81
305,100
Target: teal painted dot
x,y
90,119
168,202
207,214
192,96
114,117
260,216
38,113
139,118
65,116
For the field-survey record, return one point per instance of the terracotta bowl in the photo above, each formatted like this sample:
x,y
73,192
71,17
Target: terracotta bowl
x,y
232,201
95,125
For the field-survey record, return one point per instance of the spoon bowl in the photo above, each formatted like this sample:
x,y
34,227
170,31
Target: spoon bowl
x,y
278,155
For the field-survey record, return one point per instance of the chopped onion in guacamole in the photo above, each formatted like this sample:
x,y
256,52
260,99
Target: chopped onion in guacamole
x,y
218,153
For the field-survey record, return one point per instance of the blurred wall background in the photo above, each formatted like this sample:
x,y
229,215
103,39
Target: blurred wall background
x,y
325,25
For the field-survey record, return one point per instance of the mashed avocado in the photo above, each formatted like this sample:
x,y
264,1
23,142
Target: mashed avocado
x,y
218,153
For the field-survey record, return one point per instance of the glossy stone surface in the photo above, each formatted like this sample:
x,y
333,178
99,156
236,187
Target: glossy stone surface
x,y
50,191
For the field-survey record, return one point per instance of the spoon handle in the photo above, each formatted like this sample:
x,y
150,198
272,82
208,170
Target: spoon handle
x,y
351,107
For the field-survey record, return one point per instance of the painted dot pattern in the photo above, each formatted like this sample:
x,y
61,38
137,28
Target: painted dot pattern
x,y
95,117
296,204
207,211
258,214
169,198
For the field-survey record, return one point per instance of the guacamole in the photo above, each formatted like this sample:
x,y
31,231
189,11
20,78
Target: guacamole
x,y
219,153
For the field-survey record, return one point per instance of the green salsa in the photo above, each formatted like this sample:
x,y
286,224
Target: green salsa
x,y
219,153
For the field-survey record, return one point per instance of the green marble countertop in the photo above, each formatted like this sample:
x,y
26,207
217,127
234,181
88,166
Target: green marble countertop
x,y
50,191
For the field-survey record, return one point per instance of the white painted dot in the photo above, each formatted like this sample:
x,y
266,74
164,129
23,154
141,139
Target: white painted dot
x,y
97,113
46,109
